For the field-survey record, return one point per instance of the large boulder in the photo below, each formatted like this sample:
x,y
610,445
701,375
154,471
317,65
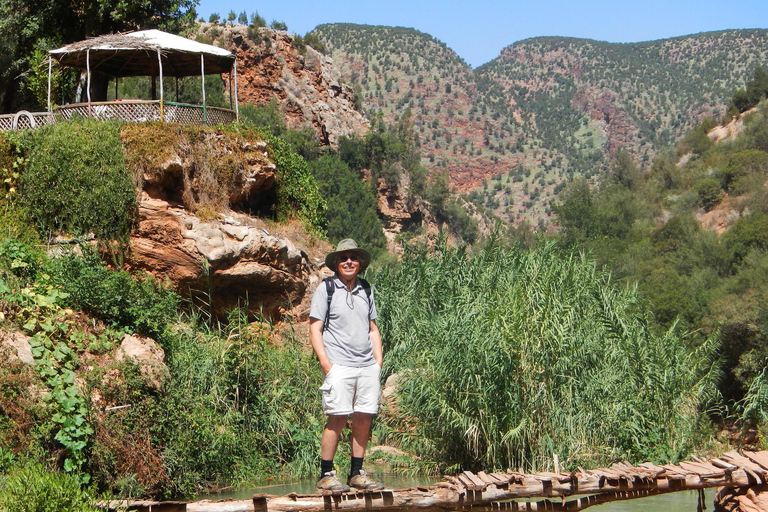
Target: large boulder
x,y
17,346
227,262
148,355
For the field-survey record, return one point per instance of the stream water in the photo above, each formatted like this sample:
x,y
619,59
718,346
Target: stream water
x,y
684,501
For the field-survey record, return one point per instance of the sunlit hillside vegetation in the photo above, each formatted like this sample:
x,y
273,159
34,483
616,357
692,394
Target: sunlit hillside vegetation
x,y
692,234
547,109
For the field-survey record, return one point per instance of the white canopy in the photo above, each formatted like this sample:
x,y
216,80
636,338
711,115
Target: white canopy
x,y
135,54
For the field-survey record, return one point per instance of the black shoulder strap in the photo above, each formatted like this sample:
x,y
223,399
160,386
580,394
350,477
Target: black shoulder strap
x,y
367,289
330,287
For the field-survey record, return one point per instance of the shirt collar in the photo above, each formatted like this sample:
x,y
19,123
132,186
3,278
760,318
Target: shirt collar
x,y
337,282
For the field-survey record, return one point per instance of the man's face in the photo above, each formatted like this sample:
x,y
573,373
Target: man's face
x,y
348,264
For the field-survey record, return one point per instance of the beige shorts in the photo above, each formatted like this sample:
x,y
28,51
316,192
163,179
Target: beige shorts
x,y
347,390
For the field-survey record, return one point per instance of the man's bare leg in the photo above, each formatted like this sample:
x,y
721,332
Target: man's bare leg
x,y
330,440
361,429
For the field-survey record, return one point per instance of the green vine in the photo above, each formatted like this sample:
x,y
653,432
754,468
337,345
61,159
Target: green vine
x,y
40,315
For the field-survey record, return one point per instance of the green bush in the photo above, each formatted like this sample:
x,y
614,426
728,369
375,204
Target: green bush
x,y
76,181
297,191
33,489
748,233
238,409
351,211
710,193
139,302
742,165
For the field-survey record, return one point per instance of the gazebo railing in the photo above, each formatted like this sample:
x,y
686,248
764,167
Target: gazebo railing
x,y
24,119
137,111
133,111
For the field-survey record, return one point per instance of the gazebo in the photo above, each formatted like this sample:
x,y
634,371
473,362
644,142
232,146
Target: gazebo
x,y
152,53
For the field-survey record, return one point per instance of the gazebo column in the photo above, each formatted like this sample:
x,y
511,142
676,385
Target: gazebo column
x,y
88,79
202,74
160,67
50,63
237,106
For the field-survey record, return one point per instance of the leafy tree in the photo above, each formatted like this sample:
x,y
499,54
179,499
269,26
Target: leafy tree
x,y
756,90
742,165
278,25
242,18
257,20
576,211
710,193
214,17
352,208
27,25
232,16
748,233
624,171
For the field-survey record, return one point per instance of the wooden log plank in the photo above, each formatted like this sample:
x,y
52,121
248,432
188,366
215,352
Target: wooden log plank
x,y
501,479
758,473
476,483
465,481
720,463
487,480
701,469
760,458
673,471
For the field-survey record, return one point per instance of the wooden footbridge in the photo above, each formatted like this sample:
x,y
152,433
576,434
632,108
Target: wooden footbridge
x,y
510,491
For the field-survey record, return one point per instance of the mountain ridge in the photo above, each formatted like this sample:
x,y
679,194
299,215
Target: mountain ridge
x,y
547,107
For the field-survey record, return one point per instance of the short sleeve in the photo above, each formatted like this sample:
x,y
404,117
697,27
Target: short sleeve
x,y
319,307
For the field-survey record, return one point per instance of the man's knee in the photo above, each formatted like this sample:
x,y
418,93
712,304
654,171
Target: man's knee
x,y
336,423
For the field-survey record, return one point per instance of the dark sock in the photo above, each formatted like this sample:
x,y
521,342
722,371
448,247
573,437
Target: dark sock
x,y
326,466
356,466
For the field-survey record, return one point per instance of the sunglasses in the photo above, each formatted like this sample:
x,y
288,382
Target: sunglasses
x,y
345,257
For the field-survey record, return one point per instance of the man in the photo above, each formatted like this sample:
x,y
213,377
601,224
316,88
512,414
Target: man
x,y
347,342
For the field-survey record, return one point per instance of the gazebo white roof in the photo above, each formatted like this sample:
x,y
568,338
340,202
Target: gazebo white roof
x,y
135,54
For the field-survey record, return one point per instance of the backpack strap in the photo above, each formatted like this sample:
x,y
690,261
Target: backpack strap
x,y
367,289
330,287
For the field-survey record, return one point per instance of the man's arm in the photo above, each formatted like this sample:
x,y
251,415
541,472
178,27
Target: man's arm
x,y
378,352
316,339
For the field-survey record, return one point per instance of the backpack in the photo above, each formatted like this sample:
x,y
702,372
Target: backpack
x,y
330,288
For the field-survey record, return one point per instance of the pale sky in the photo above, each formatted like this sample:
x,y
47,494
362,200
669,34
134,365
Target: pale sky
x,y
478,30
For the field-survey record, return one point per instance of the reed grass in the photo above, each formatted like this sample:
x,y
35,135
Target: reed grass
x,y
509,356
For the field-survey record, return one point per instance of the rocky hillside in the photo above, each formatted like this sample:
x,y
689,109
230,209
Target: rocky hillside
x,y
397,70
546,108
305,83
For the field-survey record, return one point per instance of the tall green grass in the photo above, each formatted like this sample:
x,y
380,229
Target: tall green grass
x,y
510,356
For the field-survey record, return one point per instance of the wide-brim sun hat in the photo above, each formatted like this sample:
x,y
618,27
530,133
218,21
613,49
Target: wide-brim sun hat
x,y
348,245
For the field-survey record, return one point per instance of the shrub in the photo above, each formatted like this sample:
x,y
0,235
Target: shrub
x,y
710,193
140,303
297,191
76,181
746,234
351,206
743,164
33,489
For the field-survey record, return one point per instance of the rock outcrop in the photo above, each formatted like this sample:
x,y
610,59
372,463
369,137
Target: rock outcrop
x,y
17,346
307,86
190,232
227,262
148,355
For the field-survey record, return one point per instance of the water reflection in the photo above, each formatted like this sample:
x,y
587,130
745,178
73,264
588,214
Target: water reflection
x,y
307,486
684,501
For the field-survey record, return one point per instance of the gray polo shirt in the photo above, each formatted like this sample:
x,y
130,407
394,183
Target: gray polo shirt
x,y
347,337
